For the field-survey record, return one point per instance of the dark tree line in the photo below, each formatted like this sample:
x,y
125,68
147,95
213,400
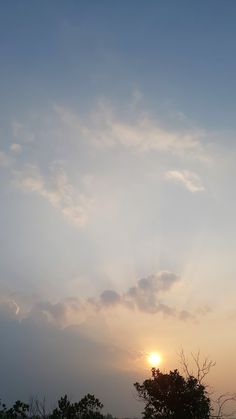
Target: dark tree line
x,y
89,407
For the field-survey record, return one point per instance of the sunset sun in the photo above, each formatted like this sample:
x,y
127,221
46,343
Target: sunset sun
x,y
154,359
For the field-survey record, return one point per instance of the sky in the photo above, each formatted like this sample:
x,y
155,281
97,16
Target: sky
x,y
117,215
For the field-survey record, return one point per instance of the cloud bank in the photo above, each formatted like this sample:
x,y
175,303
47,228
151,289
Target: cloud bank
x,y
146,296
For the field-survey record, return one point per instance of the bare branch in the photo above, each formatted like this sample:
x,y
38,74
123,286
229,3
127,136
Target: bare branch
x,y
38,407
184,364
221,403
202,368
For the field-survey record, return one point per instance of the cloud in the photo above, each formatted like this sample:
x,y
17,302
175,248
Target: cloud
x,y
189,180
57,190
9,308
104,127
16,148
162,281
67,312
146,295
109,297
185,315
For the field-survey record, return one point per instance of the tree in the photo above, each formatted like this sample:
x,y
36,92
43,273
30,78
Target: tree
x,y
87,408
18,410
172,396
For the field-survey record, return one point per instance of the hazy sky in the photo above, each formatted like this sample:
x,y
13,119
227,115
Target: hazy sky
x,y
117,172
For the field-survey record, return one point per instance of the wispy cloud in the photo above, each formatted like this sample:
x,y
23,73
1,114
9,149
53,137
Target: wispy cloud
x,y
74,137
105,127
189,180
57,190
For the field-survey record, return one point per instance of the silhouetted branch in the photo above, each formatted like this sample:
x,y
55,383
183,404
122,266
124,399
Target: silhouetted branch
x,y
221,403
37,408
202,368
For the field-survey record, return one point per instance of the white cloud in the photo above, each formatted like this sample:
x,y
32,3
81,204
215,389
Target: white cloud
x,y
189,180
104,127
57,190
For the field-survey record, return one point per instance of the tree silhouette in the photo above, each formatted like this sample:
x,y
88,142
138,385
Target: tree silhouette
x,y
87,408
18,410
172,396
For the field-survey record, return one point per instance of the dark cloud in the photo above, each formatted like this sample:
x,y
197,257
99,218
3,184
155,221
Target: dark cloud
x,y
145,295
185,315
162,281
148,295
110,297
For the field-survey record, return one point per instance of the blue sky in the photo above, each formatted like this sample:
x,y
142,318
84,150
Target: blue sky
x,y
117,168
180,54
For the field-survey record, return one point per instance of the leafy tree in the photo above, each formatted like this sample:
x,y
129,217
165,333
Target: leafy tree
x,y
64,410
18,410
87,408
3,409
172,396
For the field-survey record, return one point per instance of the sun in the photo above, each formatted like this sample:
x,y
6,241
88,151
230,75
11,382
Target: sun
x,y
154,359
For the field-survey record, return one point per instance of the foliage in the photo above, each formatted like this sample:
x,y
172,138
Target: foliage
x,y
18,410
172,396
87,408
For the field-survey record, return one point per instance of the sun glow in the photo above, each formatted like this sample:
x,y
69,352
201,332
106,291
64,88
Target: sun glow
x,y
154,359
